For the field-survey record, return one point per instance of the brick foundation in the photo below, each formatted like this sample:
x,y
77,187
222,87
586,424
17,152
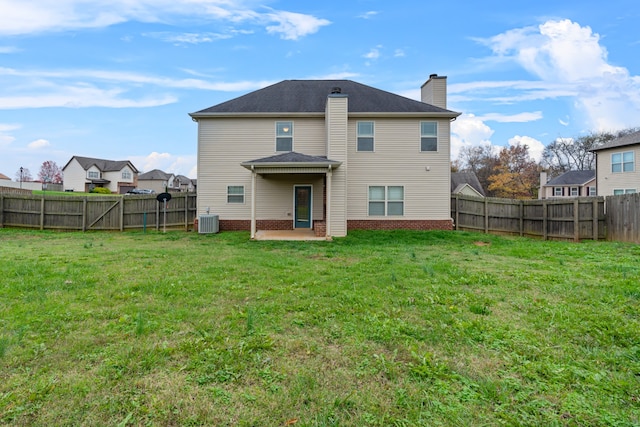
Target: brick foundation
x,y
320,228
234,225
407,224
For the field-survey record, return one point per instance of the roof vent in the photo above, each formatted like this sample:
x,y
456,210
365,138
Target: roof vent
x,y
336,90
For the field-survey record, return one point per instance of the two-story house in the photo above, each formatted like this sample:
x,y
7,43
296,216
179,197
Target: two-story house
x,y
85,173
617,168
158,181
568,184
328,155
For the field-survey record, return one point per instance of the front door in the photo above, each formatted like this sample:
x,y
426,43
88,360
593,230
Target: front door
x,y
302,206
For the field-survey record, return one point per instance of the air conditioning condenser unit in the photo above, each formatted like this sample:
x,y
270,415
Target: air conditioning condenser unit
x,y
208,224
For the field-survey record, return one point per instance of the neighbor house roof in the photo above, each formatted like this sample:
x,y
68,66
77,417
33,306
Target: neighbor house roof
x,y
3,176
630,139
154,175
103,165
572,178
460,179
292,159
310,96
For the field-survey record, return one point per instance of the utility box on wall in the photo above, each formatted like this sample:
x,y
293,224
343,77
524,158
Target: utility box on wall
x,y
208,224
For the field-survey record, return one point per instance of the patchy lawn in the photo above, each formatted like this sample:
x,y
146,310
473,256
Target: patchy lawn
x,y
376,329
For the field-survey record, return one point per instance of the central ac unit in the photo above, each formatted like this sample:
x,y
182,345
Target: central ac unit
x,y
208,224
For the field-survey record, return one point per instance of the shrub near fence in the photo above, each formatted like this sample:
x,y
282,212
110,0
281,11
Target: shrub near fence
x,y
560,219
84,213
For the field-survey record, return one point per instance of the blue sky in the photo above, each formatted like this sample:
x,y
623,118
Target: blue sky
x,y
117,79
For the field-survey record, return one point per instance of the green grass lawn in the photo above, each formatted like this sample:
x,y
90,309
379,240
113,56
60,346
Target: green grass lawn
x,y
375,329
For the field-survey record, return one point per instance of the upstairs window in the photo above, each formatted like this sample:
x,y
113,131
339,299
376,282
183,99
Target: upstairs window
x,y
622,162
365,136
93,175
428,136
126,175
386,200
284,136
235,194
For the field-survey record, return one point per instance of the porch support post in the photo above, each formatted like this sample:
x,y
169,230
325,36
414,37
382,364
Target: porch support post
x,y
327,219
253,203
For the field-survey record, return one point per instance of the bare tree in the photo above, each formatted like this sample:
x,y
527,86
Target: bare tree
x,y
480,160
23,175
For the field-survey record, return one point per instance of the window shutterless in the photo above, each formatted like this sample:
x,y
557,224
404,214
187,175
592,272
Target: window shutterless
x,y
284,136
365,136
428,136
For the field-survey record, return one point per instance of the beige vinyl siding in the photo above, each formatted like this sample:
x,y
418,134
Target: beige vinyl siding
x,y
224,143
274,196
337,140
426,193
608,181
74,176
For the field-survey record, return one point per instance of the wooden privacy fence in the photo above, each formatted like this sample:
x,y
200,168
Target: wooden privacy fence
x,y
623,218
85,213
558,219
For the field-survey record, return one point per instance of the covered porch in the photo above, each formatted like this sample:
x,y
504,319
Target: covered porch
x,y
302,225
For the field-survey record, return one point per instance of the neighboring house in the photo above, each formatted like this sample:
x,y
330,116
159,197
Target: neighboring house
x,y
185,183
158,181
617,166
467,184
569,184
328,155
4,177
85,173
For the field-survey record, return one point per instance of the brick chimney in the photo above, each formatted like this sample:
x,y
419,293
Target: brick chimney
x,y
434,91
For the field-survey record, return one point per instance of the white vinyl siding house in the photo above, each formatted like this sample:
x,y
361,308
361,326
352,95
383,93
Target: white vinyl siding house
x,y
257,165
617,165
85,173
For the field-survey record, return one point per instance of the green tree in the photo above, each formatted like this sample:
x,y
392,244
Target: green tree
x,y
516,175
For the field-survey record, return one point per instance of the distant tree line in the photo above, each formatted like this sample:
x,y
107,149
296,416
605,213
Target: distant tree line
x,y
512,173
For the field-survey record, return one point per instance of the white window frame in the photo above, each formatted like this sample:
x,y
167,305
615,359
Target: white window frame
x,y
428,135
386,201
93,174
239,196
621,191
284,131
557,193
365,136
591,191
620,162
126,174
574,191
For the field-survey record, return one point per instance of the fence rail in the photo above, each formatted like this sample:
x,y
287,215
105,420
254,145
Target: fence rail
x,y
83,213
551,219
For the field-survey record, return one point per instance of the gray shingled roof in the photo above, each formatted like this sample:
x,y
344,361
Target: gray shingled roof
x,y
103,165
310,96
631,139
154,175
571,178
461,178
292,158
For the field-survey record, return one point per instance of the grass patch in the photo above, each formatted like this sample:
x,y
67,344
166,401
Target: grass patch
x,y
375,329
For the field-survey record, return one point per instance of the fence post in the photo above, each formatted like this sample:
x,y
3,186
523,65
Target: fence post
x,y
186,211
84,213
544,221
594,211
521,218
42,213
457,211
576,220
121,213
486,216
1,210
158,216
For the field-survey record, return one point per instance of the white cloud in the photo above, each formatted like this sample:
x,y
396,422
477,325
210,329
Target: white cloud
x,y
368,15
187,38
399,53
38,144
374,53
8,49
569,61
512,118
35,16
535,147
468,131
5,139
292,26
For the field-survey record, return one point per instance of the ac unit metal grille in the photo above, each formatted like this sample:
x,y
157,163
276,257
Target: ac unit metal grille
x,y
208,224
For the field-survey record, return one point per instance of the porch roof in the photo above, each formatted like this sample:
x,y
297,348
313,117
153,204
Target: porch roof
x,y
291,162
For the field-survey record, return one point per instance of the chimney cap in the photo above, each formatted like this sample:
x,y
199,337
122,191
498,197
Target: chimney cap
x,y
431,76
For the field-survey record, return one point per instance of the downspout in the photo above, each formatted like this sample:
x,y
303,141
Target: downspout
x,y
328,218
253,201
